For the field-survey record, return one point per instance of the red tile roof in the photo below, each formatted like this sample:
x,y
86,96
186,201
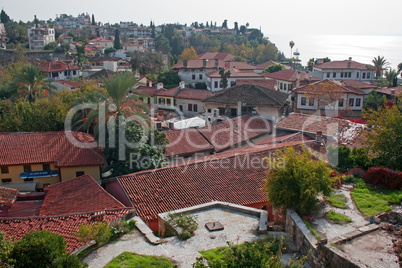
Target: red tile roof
x,y
358,84
57,66
69,83
235,132
280,138
7,196
194,94
235,176
66,225
239,65
344,64
394,91
166,92
150,91
268,83
216,55
264,65
290,75
323,85
186,142
79,195
49,147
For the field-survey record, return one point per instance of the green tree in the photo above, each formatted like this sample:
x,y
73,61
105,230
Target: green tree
x,y
116,43
274,68
93,20
224,76
340,157
391,76
146,62
291,45
225,24
374,101
162,44
6,247
43,249
50,46
4,17
400,67
169,78
189,54
379,64
298,183
30,82
384,137
310,64
100,232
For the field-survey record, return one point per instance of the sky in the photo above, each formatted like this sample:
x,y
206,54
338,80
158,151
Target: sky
x,y
350,17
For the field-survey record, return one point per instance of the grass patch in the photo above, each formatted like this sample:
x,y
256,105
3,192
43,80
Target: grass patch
x,y
127,259
214,254
337,200
312,230
371,200
337,217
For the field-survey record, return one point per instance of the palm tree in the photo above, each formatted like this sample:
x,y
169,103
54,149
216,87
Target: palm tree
x,y
391,76
400,67
30,82
379,64
291,44
119,98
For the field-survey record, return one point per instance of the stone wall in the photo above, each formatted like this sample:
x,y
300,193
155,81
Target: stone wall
x,y
320,255
7,56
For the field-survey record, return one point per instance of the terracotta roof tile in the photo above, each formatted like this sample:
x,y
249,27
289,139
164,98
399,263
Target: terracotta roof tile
x,y
236,73
344,64
48,147
166,92
358,84
235,176
186,142
198,64
79,195
290,75
66,225
7,196
323,85
252,95
57,66
394,91
268,83
264,65
194,94
216,55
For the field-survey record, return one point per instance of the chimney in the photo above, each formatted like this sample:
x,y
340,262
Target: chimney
x,y
350,59
318,137
159,86
204,63
298,80
150,83
216,63
182,85
185,63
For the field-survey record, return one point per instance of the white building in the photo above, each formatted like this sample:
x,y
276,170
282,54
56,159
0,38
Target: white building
x,y
344,70
38,37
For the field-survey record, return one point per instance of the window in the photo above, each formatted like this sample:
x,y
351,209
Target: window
x,y
368,75
281,85
200,76
79,173
340,103
4,170
328,75
303,100
190,107
181,108
27,168
193,77
46,166
168,102
161,101
216,84
55,74
209,110
285,86
74,72
195,108
65,73
358,102
357,75
350,74
341,75
351,102
364,76
311,102
334,75
5,180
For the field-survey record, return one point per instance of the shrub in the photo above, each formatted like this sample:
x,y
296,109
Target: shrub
x,y
356,172
349,179
384,177
185,222
121,227
100,232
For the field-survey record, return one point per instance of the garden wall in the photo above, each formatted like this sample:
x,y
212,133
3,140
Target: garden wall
x,y
321,255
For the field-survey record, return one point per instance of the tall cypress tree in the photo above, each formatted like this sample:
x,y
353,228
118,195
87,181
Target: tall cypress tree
x,y
117,44
93,20
4,17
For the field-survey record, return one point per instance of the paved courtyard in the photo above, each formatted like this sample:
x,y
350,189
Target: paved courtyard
x,y
239,228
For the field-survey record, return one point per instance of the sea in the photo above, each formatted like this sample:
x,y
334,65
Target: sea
x,y
362,48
